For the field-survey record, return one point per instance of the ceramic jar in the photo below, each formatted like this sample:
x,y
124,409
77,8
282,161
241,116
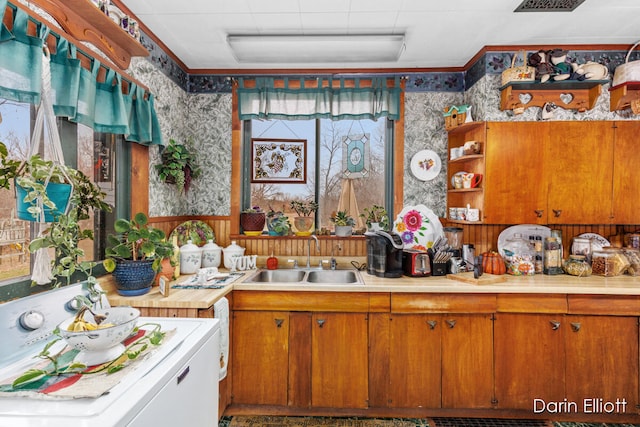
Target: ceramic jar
x,y
190,258
211,255
231,251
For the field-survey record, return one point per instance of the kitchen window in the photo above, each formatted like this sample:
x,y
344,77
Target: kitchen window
x,y
346,165
95,154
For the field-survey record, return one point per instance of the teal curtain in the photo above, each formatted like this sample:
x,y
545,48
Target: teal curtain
x,y
362,101
77,94
20,59
65,78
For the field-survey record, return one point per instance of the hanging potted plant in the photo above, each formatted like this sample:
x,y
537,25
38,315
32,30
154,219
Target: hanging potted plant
x,y
344,223
278,223
376,218
252,221
178,166
305,220
64,234
135,254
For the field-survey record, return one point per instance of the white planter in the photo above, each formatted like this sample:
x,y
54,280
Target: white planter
x,y
343,230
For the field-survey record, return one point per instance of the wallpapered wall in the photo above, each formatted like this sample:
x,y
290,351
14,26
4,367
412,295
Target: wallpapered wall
x,y
206,120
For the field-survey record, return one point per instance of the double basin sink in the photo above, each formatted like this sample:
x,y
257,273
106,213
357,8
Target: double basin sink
x,y
303,276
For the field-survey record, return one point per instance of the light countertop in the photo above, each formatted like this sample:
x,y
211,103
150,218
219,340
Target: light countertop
x,y
538,284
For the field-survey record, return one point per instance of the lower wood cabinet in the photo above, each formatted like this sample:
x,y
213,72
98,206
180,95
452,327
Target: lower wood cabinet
x,y
441,361
300,359
553,357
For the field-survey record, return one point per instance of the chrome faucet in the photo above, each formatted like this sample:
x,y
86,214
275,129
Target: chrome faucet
x,y
313,236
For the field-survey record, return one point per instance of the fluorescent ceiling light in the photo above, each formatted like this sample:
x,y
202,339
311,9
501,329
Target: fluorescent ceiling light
x,y
316,48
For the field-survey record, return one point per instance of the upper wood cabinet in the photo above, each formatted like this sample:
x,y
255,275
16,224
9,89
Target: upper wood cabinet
x,y
626,179
547,173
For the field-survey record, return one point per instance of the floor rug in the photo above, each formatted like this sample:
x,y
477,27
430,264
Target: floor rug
x,y
268,421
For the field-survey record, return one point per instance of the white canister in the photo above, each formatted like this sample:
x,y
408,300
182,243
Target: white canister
x,y
190,258
211,255
233,250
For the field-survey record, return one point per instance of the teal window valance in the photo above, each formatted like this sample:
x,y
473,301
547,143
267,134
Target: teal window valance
x,y
335,99
112,105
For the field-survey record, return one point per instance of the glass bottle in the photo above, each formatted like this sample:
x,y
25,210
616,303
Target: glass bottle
x,y
552,256
536,241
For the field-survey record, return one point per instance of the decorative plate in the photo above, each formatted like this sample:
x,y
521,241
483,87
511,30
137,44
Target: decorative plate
x,y
425,165
196,231
597,241
418,227
525,229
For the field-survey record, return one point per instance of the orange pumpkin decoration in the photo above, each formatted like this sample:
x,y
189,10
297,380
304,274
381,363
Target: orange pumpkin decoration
x,y
492,263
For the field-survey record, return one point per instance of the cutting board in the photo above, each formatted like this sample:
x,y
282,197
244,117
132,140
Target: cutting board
x,y
485,279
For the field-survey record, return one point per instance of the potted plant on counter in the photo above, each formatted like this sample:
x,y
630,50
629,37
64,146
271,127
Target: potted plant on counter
x,y
178,166
278,223
252,221
376,218
344,223
305,220
135,254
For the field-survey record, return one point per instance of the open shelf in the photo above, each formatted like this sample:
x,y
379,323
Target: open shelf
x,y
84,21
574,95
622,95
467,157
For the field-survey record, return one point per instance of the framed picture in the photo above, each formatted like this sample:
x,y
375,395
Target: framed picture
x,y
278,160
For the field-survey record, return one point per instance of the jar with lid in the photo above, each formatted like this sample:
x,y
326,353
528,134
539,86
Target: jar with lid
x,y
581,246
230,252
552,256
609,262
633,256
632,240
519,256
577,265
211,254
190,258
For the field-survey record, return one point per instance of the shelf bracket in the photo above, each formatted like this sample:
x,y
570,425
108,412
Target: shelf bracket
x,y
569,95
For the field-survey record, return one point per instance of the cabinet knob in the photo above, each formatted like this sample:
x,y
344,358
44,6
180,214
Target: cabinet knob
x,y
539,212
320,322
279,322
557,213
554,324
451,323
432,323
575,326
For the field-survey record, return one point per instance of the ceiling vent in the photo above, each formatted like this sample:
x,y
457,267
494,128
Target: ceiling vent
x,y
548,5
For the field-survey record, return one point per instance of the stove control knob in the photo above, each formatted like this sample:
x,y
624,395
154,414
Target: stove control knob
x,y
31,320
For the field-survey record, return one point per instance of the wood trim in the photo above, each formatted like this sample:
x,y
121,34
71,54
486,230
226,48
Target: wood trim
x,y
443,303
607,305
352,302
532,303
139,179
236,161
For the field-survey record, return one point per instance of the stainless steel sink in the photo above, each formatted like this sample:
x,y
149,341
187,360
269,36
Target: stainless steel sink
x,y
332,276
277,276
303,276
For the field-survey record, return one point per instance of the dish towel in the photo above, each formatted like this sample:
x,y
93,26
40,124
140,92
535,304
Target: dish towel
x,y
221,311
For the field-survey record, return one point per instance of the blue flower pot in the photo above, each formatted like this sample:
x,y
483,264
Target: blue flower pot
x,y
134,277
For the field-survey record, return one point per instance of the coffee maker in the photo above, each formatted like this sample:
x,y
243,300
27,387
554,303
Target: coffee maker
x,y
384,254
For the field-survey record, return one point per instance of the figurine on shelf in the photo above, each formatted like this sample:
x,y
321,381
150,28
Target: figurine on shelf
x,y
561,67
590,71
540,61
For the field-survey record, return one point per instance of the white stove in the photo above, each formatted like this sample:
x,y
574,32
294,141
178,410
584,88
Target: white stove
x,y
176,385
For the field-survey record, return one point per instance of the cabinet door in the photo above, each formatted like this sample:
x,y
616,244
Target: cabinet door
x,y
415,361
529,359
579,160
467,361
602,359
260,354
514,191
339,360
626,179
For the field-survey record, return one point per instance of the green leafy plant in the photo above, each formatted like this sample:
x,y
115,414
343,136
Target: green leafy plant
x,y
136,240
8,167
303,208
342,218
253,209
376,213
278,222
178,165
